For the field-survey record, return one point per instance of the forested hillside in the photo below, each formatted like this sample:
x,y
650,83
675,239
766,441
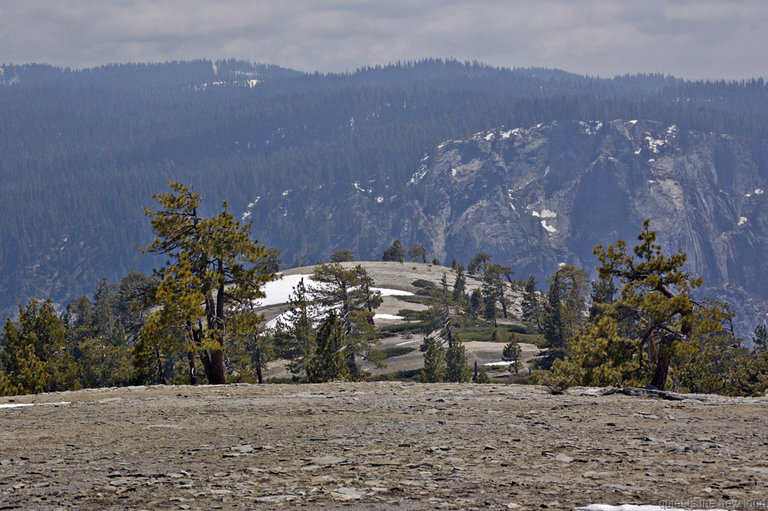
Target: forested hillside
x,y
83,150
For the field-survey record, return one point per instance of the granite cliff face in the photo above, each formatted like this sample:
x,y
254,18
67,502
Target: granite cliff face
x,y
536,197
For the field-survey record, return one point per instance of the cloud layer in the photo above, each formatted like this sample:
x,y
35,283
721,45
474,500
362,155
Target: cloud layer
x,y
692,39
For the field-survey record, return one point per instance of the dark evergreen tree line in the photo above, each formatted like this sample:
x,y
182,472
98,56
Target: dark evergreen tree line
x,y
81,148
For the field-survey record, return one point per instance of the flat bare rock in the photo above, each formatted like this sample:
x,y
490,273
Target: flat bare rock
x,y
375,446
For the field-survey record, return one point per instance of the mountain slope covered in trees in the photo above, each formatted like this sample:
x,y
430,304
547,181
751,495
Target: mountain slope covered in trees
x,y
323,162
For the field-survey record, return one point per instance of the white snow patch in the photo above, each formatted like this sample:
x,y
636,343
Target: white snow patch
x,y
419,174
253,82
23,405
379,199
498,364
634,507
550,229
278,291
546,213
546,171
272,323
653,143
360,188
651,160
250,206
591,128
742,220
490,136
560,265
453,172
672,130
506,134
759,191
388,316
391,292
633,122
639,151
286,192
406,342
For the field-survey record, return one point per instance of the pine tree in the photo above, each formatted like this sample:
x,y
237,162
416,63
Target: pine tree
x,y
343,255
603,294
480,375
460,285
760,339
475,302
530,305
350,292
511,353
328,362
395,252
213,268
416,252
574,285
434,361
456,369
654,327
34,356
477,264
294,334
553,324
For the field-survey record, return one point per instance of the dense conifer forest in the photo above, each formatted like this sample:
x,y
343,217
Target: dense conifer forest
x,y
83,150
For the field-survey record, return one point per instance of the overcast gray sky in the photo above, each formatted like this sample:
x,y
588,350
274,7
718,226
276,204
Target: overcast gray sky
x,y
690,39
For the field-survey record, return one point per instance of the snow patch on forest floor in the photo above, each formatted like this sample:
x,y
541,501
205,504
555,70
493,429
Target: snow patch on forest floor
x,y
278,291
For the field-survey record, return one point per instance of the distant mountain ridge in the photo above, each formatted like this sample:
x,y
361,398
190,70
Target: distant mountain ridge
x,y
355,160
541,196
537,197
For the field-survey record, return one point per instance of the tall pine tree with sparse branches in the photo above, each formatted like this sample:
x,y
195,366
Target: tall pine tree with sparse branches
x,y
214,270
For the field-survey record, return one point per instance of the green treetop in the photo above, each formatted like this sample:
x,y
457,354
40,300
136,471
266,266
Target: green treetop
x,y
214,271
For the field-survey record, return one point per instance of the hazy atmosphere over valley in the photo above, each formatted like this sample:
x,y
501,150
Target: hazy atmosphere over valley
x,y
384,255
710,39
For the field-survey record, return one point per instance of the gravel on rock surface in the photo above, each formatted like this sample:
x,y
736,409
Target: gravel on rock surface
x,y
382,446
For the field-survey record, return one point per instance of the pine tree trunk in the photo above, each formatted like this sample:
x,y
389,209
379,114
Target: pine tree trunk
x,y
217,375
206,360
662,369
352,364
160,372
193,379
259,375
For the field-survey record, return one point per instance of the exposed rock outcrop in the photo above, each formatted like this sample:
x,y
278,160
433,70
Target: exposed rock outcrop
x,y
536,197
